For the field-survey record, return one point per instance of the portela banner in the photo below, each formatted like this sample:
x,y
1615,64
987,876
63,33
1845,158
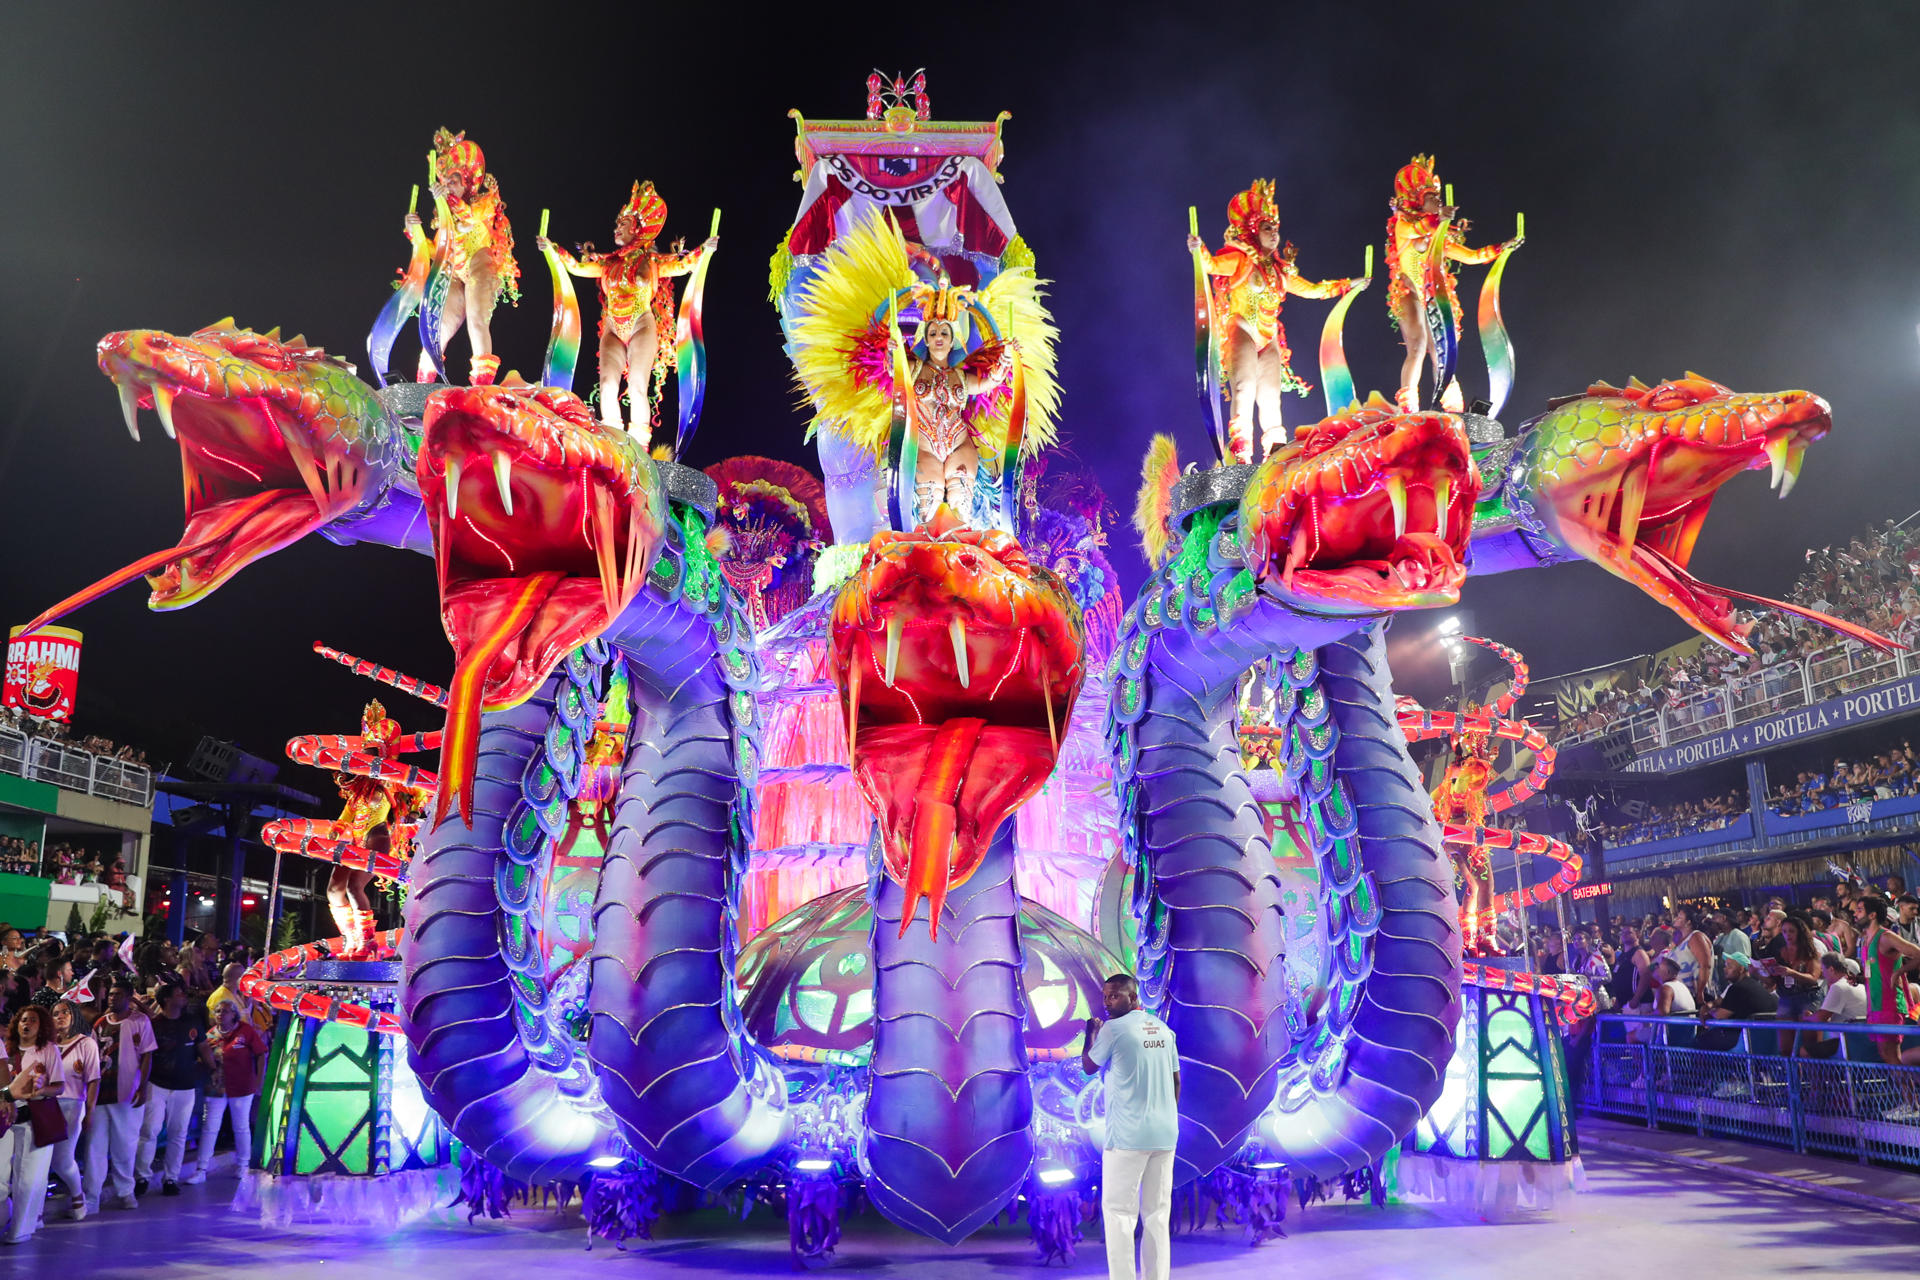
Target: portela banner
x,y
43,671
1897,698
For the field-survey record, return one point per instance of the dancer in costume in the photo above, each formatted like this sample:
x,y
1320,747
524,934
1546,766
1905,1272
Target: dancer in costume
x,y
959,402
636,306
372,807
1415,276
1251,277
1461,799
474,244
948,460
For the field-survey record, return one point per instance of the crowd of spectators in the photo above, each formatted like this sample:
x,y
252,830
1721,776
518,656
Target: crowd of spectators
x,y
1658,822
65,862
58,731
1795,965
1878,776
150,1051
1875,775
19,856
1873,581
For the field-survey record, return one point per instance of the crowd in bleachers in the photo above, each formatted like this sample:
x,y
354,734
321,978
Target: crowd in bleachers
x,y
1873,775
64,862
58,731
1879,776
1873,581
1658,822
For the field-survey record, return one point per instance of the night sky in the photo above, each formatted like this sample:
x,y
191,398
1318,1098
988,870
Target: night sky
x,y
1730,188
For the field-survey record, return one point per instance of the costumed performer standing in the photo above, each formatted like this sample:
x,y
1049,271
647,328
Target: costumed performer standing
x,y
1142,1064
1461,799
475,248
1251,277
948,460
371,809
635,305
1415,278
958,399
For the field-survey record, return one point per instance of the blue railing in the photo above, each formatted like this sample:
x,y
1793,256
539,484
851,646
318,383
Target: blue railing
x,y
1853,1105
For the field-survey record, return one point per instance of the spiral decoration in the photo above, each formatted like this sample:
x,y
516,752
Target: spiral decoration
x,y
326,840
1482,724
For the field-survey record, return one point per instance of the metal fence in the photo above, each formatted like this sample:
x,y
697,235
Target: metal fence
x,y
45,760
1784,686
1851,1105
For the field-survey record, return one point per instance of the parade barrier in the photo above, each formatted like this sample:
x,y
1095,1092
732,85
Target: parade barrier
x,y
1851,1105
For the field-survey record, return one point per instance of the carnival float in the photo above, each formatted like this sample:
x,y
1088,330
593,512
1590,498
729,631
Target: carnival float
x,y
783,827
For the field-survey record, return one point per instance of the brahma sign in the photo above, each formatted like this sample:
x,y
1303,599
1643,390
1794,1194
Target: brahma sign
x,y
43,669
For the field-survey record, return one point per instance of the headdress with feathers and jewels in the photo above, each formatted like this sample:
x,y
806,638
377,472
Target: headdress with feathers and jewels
x,y
842,341
377,729
646,211
770,520
453,154
1411,185
1250,210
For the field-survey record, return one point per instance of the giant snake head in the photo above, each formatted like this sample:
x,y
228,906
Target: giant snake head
x,y
277,439
1624,477
958,662
1364,512
545,523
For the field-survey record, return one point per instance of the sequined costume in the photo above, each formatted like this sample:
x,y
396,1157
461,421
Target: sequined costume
x,y
1411,270
478,239
474,244
1249,286
1461,797
371,804
630,275
941,397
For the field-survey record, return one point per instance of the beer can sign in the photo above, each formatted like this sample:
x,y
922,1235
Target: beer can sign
x,y
43,670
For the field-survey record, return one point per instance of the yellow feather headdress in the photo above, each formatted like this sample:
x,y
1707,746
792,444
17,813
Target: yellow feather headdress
x,y
840,338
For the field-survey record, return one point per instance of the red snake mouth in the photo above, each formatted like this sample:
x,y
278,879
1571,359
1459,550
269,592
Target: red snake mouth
x,y
1365,512
958,663
544,525
250,486
1640,518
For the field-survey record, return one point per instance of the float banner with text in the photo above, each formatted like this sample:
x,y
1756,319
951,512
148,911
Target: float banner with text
x,y
1844,712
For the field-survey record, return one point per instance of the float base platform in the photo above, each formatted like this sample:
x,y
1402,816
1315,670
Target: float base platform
x,y
1635,1208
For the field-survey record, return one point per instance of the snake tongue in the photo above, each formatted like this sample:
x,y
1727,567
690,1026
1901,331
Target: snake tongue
x,y
941,792
507,634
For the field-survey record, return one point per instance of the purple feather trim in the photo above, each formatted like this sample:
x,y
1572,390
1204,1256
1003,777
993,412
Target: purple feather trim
x,y
622,1205
484,1188
813,1218
1056,1219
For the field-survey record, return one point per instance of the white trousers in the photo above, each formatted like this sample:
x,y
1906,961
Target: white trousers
x,y
112,1139
28,1170
241,1110
174,1109
65,1168
1136,1187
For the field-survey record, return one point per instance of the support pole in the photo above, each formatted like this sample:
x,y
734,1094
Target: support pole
x,y
177,908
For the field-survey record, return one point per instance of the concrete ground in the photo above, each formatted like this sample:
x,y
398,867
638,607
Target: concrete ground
x,y
1641,1213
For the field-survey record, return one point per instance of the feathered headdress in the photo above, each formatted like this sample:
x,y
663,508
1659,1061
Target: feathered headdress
x,y
646,211
1249,210
1415,179
1154,502
842,342
452,154
377,729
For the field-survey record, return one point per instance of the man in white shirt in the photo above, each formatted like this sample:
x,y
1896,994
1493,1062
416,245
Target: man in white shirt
x,y
1846,998
1143,1123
